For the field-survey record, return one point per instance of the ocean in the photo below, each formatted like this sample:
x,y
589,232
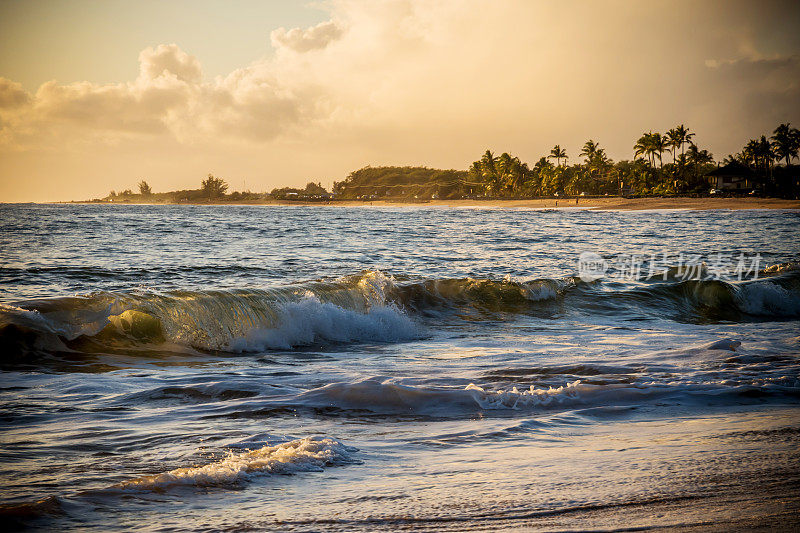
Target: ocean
x,y
207,368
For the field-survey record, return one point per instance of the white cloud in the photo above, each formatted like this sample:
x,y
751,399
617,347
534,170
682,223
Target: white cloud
x,y
168,60
313,38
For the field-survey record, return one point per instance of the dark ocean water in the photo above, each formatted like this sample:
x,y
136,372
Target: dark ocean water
x,y
308,368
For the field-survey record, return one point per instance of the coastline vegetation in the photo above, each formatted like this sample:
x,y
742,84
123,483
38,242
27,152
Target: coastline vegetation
x,y
668,164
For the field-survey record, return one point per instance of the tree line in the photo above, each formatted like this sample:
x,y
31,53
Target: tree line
x,y
211,188
646,174
671,163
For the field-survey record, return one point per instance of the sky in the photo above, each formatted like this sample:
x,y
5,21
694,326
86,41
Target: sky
x,y
96,95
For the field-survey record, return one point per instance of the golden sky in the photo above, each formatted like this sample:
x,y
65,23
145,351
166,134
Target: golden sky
x,y
98,94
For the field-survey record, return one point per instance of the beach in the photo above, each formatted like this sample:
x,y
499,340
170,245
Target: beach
x,y
609,203
604,203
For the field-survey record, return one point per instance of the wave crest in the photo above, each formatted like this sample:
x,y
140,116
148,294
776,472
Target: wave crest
x,y
311,454
386,397
367,307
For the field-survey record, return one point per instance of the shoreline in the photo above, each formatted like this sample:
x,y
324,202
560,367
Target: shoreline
x,y
600,204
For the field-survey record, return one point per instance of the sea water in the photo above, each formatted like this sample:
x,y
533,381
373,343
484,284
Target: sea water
x,y
326,368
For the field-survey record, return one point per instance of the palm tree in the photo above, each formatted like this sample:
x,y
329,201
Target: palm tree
x,y
652,145
697,157
509,169
519,173
786,142
596,161
488,161
589,150
642,147
750,153
658,145
685,136
674,141
558,154
765,153
489,173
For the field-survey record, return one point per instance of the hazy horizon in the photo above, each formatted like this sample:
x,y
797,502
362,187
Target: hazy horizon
x,y
95,96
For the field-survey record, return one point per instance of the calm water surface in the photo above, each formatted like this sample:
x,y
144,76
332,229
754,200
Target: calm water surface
x,y
294,368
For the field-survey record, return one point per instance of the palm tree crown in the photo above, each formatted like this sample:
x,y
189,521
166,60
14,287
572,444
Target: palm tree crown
x,y
558,154
786,142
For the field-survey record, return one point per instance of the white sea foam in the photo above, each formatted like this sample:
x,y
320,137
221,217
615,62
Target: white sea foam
x,y
387,397
538,291
516,399
310,454
767,299
310,321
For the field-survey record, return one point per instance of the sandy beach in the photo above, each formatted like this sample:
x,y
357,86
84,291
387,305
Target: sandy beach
x,y
617,203
607,203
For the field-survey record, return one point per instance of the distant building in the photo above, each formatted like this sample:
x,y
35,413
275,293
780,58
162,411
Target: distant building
x,y
732,177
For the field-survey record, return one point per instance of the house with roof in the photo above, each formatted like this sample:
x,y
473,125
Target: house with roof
x,y
733,177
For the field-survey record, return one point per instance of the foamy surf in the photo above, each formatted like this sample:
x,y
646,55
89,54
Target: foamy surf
x,y
526,398
310,454
311,321
387,397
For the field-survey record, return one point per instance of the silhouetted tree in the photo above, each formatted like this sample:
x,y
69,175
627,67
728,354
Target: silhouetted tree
x,y
144,188
697,158
786,142
558,154
213,187
677,137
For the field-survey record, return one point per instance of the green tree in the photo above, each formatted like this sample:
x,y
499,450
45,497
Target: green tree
x,y
645,147
213,187
558,154
314,188
677,138
144,188
489,173
659,145
596,167
651,145
697,158
589,150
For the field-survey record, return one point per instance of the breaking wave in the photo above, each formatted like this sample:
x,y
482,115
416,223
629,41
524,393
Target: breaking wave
x,y
310,321
368,307
311,454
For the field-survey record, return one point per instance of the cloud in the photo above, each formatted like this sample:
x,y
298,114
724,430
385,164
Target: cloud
x,y
169,97
313,38
169,60
436,83
756,94
12,95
